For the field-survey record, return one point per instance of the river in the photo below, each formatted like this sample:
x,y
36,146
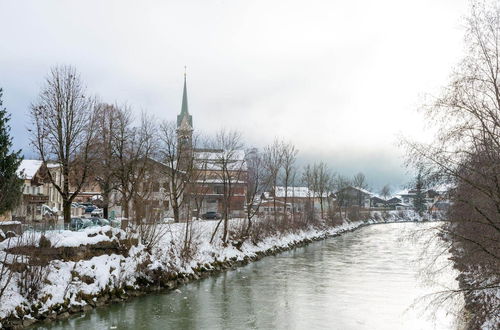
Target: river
x,y
366,279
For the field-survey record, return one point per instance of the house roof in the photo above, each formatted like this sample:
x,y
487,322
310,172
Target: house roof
x,y
212,159
378,198
293,192
364,191
30,168
300,192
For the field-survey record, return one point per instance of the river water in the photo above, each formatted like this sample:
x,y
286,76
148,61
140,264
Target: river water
x,y
366,279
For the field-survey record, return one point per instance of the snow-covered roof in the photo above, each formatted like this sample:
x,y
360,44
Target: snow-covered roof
x,y
217,180
358,189
53,165
300,192
217,154
30,167
364,191
211,159
293,192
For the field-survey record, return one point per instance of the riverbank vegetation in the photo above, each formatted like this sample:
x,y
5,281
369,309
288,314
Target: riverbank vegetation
x,y
465,156
52,274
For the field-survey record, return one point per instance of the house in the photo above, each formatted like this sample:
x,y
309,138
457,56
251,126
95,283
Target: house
x,y
152,198
393,201
297,197
353,196
40,201
376,201
402,207
430,197
37,193
300,199
215,168
267,208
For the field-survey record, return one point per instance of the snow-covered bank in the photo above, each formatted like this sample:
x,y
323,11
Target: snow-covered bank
x,y
69,286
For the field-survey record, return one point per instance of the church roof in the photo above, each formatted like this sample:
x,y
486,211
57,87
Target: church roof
x,y
184,108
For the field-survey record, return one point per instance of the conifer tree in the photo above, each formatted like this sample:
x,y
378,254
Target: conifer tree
x,y
10,183
419,201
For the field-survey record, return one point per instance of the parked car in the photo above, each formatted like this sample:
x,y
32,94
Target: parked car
x,y
100,221
89,209
80,223
97,213
211,215
86,204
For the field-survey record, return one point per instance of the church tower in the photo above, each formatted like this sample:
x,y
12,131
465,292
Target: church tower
x,y
185,123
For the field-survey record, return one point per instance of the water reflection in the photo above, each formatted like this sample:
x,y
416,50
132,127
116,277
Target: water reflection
x,y
361,280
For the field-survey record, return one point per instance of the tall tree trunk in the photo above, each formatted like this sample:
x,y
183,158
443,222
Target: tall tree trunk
x,y
105,206
67,211
175,208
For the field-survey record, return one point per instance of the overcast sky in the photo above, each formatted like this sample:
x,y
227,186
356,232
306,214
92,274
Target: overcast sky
x,y
339,79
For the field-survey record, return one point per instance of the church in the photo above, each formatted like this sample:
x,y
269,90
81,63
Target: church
x,y
220,183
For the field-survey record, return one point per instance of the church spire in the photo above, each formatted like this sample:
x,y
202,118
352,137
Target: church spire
x,y
184,108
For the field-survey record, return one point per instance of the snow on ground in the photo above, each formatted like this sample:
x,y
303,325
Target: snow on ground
x,y
68,281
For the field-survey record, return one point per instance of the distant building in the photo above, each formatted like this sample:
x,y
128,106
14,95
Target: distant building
x,y
267,208
298,199
393,201
376,201
430,197
207,193
353,196
40,199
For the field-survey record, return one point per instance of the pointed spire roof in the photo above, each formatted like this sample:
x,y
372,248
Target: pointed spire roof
x,y
184,108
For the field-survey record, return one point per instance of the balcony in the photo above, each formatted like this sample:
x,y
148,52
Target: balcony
x,y
35,199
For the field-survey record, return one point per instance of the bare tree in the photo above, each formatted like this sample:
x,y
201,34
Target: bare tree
x,y
202,185
132,147
359,181
256,185
465,155
180,166
322,182
340,184
309,180
106,120
63,125
273,161
289,156
385,192
230,168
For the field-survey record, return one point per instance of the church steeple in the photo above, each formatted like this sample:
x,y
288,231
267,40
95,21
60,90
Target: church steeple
x,y
184,115
184,124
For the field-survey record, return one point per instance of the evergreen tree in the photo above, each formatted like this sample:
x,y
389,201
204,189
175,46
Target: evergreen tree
x,y
10,183
419,201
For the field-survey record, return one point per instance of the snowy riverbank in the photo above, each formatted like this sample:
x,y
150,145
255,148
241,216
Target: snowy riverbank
x,y
102,265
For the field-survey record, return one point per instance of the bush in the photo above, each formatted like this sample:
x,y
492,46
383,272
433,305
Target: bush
x,y
44,242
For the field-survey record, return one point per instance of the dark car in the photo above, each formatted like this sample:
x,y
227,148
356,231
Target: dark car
x,y
211,215
89,209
